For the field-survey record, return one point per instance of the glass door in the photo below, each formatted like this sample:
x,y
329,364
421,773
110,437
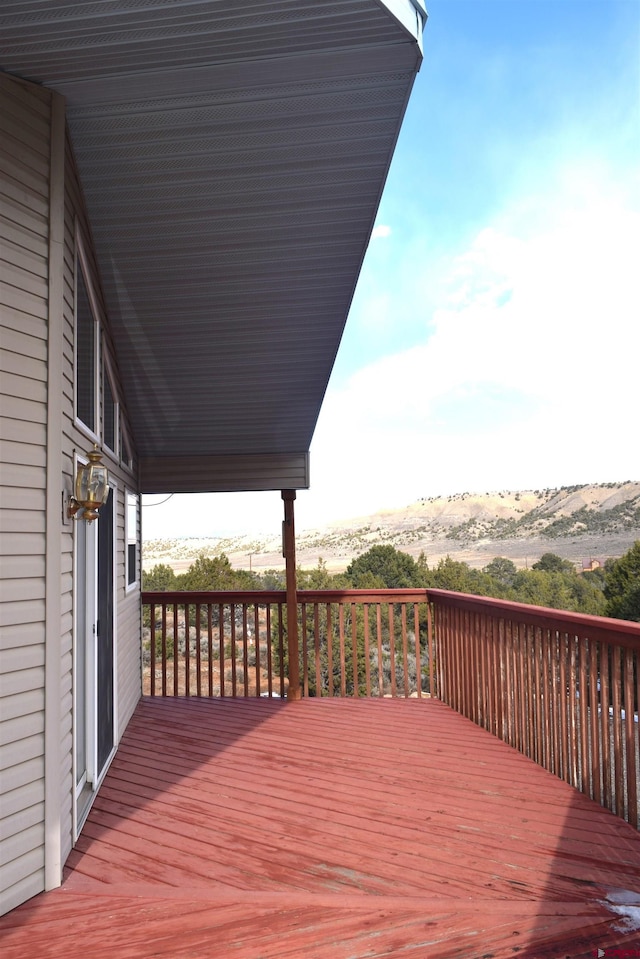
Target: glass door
x,y
84,666
94,732
105,736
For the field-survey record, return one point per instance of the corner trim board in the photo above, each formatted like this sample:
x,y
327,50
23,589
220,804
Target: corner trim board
x,y
53,606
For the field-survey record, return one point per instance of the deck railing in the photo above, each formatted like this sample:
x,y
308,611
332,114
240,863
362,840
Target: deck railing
x,y
561,687
352,643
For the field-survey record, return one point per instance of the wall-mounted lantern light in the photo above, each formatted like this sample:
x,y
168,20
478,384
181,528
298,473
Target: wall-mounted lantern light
x,y
91,487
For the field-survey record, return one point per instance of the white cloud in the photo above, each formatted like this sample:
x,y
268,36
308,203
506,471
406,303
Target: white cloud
x,y
379,231
529,377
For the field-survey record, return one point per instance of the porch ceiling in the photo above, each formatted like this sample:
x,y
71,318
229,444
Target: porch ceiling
x,y
233,157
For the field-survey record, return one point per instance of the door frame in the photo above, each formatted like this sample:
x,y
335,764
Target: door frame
x,y
85,678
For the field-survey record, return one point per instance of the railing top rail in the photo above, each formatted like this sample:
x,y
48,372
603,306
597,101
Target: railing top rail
x,y
599,627
213,596
279,596
362,595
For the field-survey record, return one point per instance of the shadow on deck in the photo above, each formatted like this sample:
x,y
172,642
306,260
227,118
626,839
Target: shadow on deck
x,y
327,829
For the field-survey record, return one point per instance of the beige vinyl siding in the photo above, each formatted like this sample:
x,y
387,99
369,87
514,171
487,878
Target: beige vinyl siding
x,y
72,440
24,200
36,634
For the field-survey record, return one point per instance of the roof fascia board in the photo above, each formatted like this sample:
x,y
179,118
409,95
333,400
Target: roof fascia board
x,y
224,473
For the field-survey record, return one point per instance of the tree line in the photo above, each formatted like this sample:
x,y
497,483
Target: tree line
x,y
612,590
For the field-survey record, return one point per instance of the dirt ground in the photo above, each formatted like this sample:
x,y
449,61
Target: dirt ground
x,y
210,680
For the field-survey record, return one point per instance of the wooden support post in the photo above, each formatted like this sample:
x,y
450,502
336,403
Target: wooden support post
x,y
289,549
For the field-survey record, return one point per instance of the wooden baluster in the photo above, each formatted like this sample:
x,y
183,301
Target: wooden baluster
x,y
562,698
198,651
392,649
528,652
269,651
256,646
416,627
605,699
508,685
176,653
405,649
164,649
616,688
485,703
502,679
245,650
281,646
594,707
572,738
380,652
234,690
329,651
305,656
583,695
221,645
152,650
187,651
555,733
354,651
523,688
473,666
209,609
316,648
343,664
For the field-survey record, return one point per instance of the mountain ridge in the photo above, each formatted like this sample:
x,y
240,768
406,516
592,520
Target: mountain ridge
x,y
577,522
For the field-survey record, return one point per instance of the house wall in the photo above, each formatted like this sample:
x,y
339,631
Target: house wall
x,y
24,210
42,221
124,478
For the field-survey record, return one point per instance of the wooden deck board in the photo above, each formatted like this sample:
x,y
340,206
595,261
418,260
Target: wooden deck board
x,y
342,829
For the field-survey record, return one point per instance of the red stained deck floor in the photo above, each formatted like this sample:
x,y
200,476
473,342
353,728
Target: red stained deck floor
x,y
333,829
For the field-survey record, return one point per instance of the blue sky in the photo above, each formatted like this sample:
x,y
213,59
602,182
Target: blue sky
x,y
494,338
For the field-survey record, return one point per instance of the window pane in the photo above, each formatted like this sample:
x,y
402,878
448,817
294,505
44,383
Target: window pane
x,y
109,413
132,538
131,560
127,458
85,356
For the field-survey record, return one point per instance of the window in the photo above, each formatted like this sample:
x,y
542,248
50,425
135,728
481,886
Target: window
x,y
86,342
126,455
132,540
109,411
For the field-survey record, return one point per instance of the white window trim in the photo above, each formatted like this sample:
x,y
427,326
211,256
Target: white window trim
x,y
135,585
125,437
108,372
81,263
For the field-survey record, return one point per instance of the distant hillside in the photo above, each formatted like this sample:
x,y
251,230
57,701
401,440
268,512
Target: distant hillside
x,y
577,522
569,511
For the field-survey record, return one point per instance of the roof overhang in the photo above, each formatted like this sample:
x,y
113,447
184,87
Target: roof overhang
x,y
233,156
